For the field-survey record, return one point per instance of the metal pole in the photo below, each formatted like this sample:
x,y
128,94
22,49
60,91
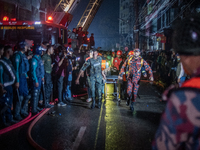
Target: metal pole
x,y
136,25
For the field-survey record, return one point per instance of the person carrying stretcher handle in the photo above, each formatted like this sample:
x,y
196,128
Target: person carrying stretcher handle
x,y
96,76
135,65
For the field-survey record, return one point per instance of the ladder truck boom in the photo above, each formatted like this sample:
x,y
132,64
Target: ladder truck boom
x,y
89,14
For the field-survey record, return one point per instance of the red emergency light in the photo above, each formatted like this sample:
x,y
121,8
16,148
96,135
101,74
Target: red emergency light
x,y
5,18
50,18
13,19
88,39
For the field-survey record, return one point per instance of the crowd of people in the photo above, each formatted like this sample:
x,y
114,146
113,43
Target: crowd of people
x,y
31,76
26,74
42,73
166,66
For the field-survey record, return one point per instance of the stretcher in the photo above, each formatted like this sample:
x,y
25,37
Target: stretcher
x,y
113,79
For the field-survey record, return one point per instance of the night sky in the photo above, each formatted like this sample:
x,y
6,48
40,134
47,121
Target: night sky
x,y
105,24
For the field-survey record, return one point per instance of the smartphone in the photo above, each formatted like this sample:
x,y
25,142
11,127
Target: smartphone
x,y
77,58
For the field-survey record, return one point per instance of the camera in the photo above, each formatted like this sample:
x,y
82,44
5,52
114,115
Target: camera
x,y
77,58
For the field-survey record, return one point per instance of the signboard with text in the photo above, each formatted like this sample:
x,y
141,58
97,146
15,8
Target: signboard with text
x,y
17,27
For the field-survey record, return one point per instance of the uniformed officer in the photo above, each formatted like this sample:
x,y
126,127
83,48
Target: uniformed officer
x,y
96,76
21,65
7,78
135,65
88,78
117,60
37,75
179,126
46,58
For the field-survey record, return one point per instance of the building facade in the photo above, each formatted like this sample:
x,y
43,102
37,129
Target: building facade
x,y
127,20
27,9
158,19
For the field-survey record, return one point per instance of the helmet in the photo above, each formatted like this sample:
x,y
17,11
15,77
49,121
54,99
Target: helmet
x,y
108,57
131,53
186,38
119,52
22,45
71,50
137,49
99,54
38,50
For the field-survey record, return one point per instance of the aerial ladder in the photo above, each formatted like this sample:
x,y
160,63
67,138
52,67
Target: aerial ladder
x,y
68,7
89,14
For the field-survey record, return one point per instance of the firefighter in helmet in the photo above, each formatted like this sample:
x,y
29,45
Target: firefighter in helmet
x,y
134,73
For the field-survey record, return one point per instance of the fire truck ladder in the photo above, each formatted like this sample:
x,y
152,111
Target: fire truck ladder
x,y
89,14
67,6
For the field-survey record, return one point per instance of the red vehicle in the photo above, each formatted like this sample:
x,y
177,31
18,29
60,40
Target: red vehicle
x,y
14,30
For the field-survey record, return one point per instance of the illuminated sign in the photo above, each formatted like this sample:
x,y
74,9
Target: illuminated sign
x,y
17,27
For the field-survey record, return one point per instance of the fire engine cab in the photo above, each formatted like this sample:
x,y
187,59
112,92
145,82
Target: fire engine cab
x,y
12,30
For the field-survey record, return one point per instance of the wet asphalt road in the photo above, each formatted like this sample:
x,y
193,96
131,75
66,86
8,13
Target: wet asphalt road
x,y
76,126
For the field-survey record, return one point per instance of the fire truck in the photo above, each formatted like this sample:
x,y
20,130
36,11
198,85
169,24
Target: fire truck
x,y
54,30
12,30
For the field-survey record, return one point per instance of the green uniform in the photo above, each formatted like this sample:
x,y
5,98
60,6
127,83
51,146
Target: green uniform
x,y
95,75
47,63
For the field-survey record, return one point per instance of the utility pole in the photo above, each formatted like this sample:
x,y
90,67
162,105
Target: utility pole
x,y
136,26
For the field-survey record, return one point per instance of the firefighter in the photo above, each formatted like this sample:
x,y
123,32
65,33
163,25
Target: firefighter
x,y
117,60
37,75
124,83
21,65
96,76
134,73
179,126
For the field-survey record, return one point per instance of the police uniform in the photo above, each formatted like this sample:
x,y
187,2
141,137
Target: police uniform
x,y
95,75
37,73
7,78
21,65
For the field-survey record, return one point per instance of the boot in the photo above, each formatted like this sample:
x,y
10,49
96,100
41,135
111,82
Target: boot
x,y
24,110
99,103
37,106
128,101
35,96
131,107
17,109
46,103
93,103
